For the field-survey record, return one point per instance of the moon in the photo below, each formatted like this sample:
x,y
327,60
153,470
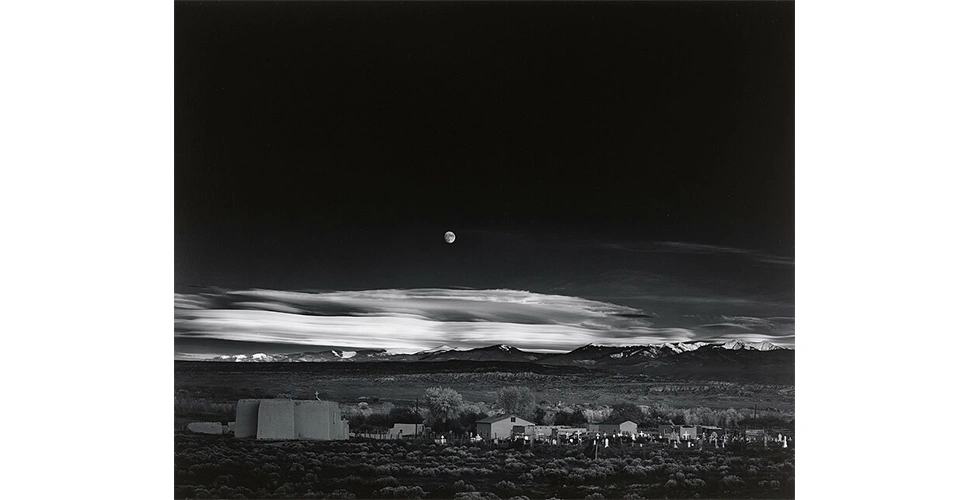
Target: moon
x,y
449,237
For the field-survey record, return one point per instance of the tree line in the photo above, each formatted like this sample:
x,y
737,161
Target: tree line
x,y
445,410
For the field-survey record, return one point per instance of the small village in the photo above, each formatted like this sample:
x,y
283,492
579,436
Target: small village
x,y
286,419
286,448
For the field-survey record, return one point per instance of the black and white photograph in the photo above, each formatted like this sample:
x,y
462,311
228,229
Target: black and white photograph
x,y
503,250
484,250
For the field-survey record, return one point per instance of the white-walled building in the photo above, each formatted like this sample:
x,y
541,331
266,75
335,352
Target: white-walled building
x,y
504,427
289,419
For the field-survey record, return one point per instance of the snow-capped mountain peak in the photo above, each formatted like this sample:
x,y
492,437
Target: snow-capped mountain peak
x,y
440,348
735,345
591,354
692,346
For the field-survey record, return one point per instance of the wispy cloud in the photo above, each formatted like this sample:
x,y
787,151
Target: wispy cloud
x,y
700,249
674,247
417,319
777,330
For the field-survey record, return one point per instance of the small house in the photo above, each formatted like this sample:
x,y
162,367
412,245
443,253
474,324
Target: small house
x,y
504,427
625,427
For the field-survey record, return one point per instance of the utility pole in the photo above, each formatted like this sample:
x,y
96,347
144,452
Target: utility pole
x,y
416,412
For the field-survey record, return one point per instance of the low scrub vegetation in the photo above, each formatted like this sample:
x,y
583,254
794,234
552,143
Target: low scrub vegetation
x,y
225,467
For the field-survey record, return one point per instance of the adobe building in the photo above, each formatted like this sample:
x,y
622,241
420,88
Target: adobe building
x,y
677,432
320,420
549,432
247,414
289,419
504,427
665,430
565,432
544,431
207,427
627,427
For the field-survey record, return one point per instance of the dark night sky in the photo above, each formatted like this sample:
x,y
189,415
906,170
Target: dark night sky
x,y
328,146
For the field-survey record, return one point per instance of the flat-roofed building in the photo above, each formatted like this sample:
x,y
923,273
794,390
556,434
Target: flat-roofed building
x,y
289,419
625,427
504,427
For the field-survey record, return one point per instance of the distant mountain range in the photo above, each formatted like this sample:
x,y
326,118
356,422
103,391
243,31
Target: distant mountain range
x,y
591,355
732,361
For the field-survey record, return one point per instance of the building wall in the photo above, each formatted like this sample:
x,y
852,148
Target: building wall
x,y
543,430
628,428
484,430
523,430
503,428
206,427
679,431
621,428
317,420
247,415
276,419
671,432
288,419
568,431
